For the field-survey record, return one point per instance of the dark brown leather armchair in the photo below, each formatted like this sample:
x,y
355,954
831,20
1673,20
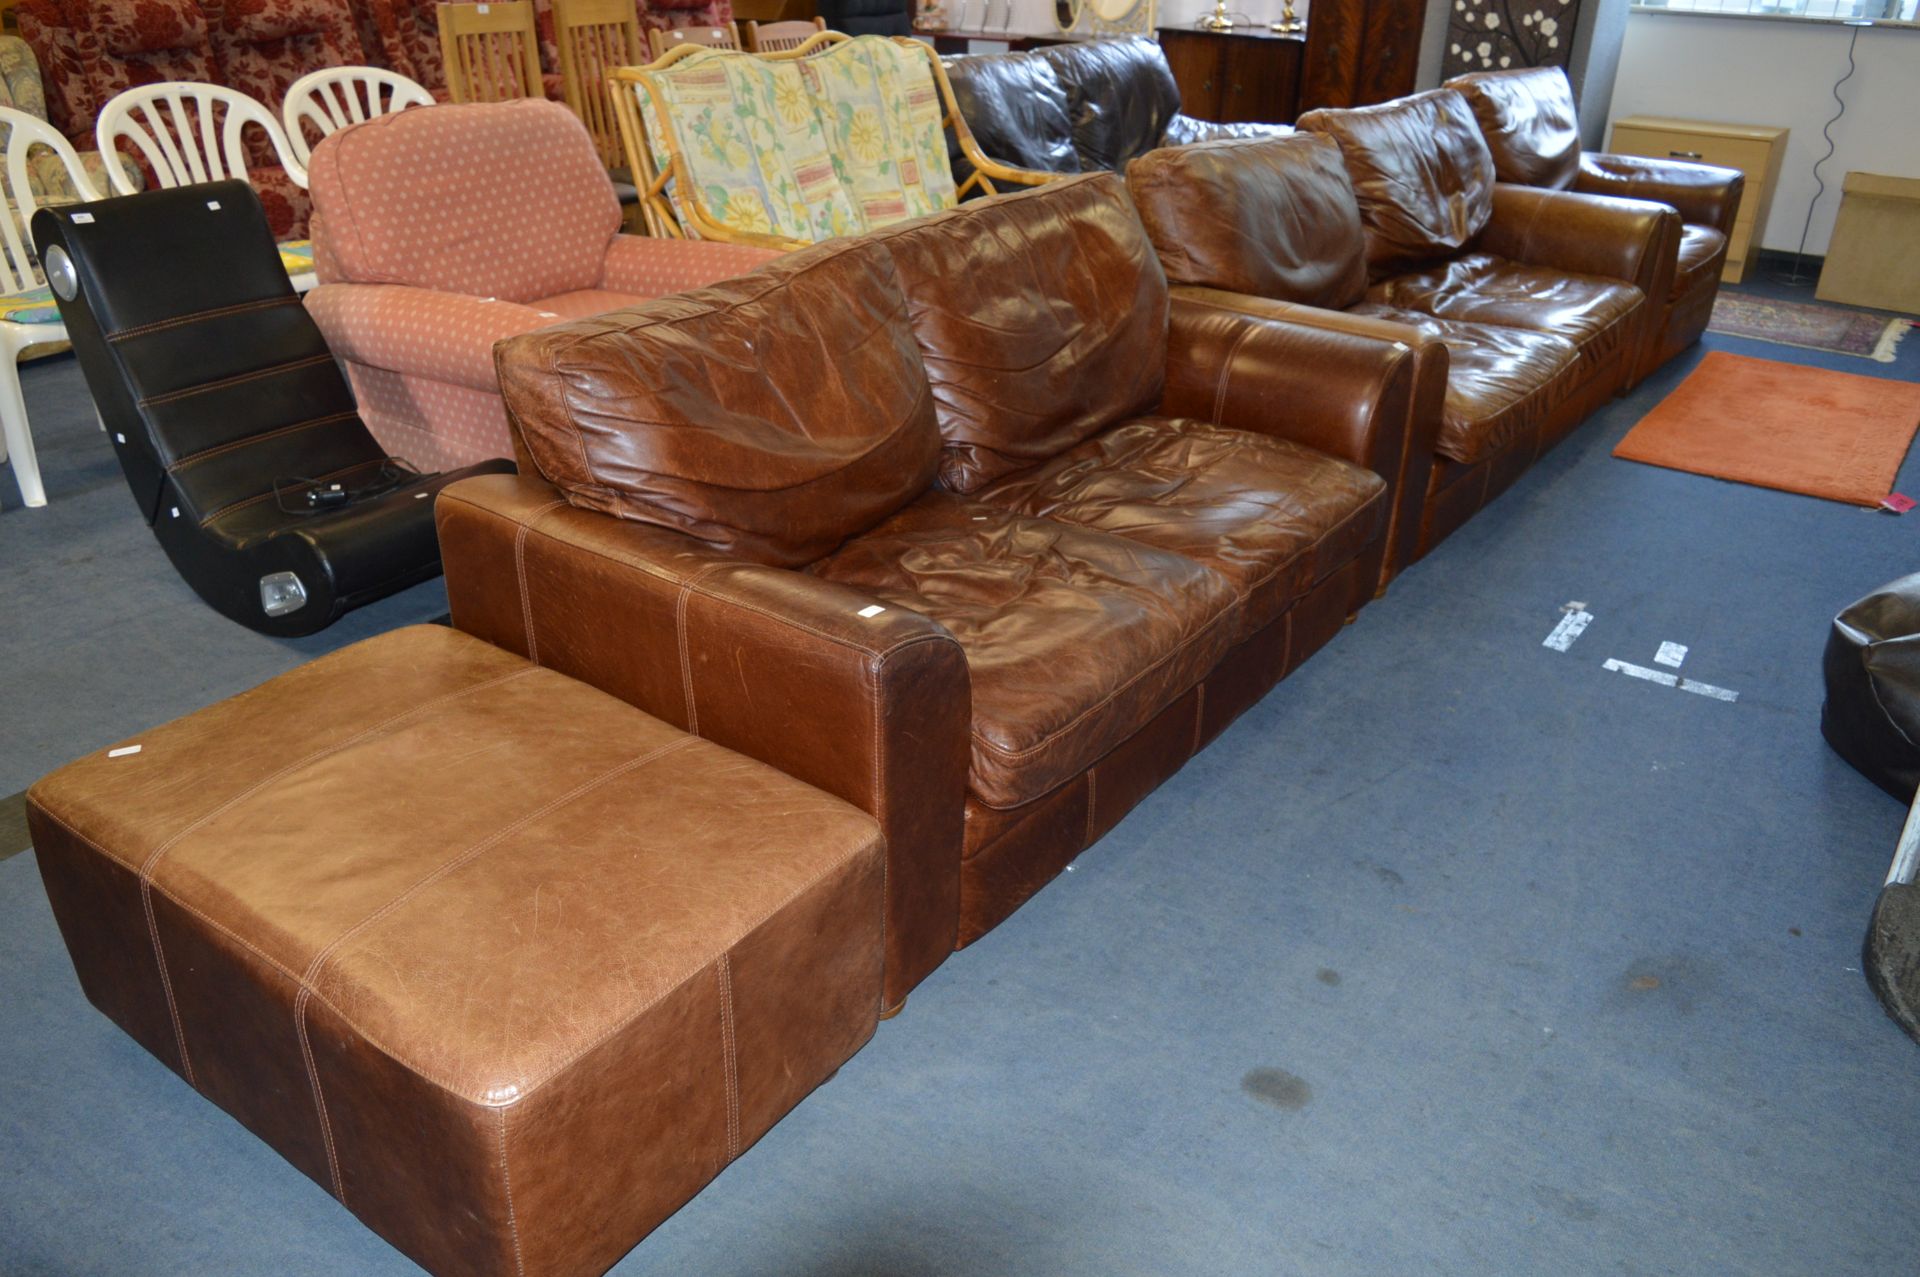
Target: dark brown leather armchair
x,y
1527,118
1511,354
967,522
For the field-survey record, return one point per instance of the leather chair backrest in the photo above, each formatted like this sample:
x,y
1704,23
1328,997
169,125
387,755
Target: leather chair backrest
x,y
1272,218
210,375
772,416
1017,110
1528,120
1041,318
496,199
1120,98
1421,171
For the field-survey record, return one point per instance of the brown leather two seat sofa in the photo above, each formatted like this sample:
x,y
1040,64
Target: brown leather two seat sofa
x,y
969,523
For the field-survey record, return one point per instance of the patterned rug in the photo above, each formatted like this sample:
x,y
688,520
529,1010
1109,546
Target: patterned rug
x,y
1842,331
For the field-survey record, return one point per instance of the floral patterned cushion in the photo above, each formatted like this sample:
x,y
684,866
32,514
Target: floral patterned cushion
x,y
35,306
845,141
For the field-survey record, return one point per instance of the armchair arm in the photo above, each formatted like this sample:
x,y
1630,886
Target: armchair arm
x,y
775,664
1704,194
651,267
419,332
1351,386
1633,241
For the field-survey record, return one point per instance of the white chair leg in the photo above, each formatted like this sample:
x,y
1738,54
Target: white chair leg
x,y
13,426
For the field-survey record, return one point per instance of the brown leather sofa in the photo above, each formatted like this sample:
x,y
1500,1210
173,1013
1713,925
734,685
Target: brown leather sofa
x,y
1275,227
966,522
1445,245
1527,118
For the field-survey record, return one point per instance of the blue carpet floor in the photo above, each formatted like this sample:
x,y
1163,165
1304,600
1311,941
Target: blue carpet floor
x,y
1456,955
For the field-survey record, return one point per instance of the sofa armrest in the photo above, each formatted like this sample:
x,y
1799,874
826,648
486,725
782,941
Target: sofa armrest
x,y
1234,361
650,267
777,665
419,332
1633,241
1432,361
1704,194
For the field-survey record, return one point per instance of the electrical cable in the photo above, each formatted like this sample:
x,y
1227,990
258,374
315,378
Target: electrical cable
x,y
1826,131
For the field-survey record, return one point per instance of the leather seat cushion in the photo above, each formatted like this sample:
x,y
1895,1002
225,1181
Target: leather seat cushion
x,y
585,303
1703,253
1483,289
1272,516
1501,382
1120,96
1074,638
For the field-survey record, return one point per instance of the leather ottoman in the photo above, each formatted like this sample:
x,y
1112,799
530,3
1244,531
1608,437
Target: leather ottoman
x,y
510,967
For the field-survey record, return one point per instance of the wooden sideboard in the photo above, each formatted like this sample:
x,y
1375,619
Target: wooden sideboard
x,y
1755,149
1248,76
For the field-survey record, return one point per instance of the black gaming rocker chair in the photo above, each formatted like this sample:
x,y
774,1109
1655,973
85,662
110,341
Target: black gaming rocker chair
x,y
235,427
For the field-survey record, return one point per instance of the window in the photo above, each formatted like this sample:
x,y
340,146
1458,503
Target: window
x,y
1830,10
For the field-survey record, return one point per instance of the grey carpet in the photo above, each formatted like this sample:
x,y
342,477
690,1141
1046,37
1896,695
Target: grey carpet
x,y
1456,955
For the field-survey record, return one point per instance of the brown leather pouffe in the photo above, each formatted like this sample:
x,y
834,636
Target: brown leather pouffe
x,y
510,967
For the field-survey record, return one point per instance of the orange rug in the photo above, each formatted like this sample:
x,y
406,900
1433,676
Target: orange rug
x,y
1836,435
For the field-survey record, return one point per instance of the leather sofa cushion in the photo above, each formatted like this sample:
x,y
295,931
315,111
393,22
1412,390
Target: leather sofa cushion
x,y
1501,381
1272,516
1120,97
1041,317
1703,254
1074,638
1482,289
1528,120
1017,110
1421,172
1274,218
771,416
1184,130
495,199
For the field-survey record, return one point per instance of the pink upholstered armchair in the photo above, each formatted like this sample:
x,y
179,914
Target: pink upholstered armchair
x,y
442,229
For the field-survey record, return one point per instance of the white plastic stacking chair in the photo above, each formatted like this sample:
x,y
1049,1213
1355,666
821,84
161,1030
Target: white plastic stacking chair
x,y
28,314
330,99
189,133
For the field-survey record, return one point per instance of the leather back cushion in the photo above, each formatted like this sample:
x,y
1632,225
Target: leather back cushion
x,y
1041,317
1120,98
1274,218
1016,108
1421,172
500,199
1527,118
772,416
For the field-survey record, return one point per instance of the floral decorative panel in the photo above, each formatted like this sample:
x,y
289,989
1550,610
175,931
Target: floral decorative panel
x,y
1504,35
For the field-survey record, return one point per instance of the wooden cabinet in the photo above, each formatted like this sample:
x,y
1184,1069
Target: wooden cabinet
x,y
1235,77
1755,149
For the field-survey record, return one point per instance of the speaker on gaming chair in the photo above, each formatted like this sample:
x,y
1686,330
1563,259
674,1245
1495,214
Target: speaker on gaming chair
x,y
235,428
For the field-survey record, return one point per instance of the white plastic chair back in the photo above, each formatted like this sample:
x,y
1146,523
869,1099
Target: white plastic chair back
x,y
187,133
330,99
19,270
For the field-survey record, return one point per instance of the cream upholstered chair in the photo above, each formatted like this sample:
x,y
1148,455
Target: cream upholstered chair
x,y
191,133
329,99
779,37
29,316
491,51
595,36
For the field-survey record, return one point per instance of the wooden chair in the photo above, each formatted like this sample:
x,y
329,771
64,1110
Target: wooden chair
x,y
778,37
491,51
595,36
665,42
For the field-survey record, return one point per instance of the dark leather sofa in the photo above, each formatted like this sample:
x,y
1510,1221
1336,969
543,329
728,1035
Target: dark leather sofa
x,y
1528,120
968,523
1523,307
1080,107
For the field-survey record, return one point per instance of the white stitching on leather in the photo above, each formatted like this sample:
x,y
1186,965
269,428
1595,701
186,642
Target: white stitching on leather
x,y
729,1053
506,1179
